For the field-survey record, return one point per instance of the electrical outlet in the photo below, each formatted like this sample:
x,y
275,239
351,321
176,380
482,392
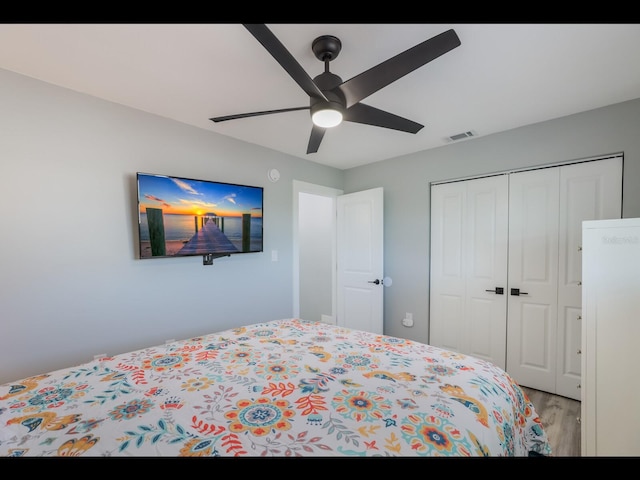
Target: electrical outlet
x,y
407,321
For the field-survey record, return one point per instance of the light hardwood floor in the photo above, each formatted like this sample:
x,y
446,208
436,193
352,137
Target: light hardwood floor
x,y
560,418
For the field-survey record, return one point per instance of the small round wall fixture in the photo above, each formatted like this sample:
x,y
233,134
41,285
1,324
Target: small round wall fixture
x,y
274,175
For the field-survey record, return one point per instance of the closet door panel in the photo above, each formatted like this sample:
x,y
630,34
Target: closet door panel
x,y
449,332
534,333
448,283
533,278
468,261
480,316
588,191
486,243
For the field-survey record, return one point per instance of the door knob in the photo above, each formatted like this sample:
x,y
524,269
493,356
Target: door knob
x,y
376,281
497,291
517,292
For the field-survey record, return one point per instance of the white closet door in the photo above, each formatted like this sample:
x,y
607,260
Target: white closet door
x,y
588,191
533,278
486,240
546,210
448,268
534,219
468,267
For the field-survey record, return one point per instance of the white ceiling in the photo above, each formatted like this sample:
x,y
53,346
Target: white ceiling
x,y
501,77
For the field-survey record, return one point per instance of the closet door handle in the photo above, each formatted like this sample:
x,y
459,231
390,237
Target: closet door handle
x,y
517,292
497,291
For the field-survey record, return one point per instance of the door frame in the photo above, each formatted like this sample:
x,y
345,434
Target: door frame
x,y
374,226
314,189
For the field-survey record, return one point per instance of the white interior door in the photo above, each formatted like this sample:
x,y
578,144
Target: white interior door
x,y
469,267
448,267
533,278
486,305
588,191
360,260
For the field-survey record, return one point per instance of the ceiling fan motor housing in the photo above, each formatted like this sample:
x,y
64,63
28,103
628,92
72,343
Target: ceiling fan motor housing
x,y
328,82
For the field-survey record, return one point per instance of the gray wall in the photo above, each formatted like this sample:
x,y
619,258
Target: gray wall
x,y
71,285
406,183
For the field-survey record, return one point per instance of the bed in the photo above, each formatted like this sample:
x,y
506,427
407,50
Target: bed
x,y
283,388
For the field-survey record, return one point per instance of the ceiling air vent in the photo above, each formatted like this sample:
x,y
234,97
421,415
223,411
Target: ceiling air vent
x,y
460,136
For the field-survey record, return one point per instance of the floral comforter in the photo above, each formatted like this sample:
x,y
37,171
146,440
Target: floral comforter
x,y
281,388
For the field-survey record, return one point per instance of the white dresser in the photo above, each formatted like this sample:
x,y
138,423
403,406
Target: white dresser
x,y
610,393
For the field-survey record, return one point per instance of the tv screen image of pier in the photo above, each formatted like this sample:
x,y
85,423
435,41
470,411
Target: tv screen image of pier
x,y
182,217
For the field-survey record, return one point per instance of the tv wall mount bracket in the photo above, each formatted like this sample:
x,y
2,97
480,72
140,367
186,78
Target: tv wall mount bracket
x,y
207,259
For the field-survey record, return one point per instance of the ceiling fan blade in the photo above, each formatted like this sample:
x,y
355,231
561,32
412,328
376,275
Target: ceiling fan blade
x,y
361,113
256,114
314,140
285,59
372,80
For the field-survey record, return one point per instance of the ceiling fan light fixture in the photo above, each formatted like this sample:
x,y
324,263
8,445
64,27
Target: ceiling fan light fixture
x,y
326,115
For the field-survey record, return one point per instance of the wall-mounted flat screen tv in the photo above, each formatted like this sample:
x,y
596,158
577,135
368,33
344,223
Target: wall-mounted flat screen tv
x,y
184,217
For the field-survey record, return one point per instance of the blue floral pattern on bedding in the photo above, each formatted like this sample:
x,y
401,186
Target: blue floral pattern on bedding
x,y
281,388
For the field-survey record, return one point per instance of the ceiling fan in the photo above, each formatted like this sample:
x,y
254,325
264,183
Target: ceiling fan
x,y
330,99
